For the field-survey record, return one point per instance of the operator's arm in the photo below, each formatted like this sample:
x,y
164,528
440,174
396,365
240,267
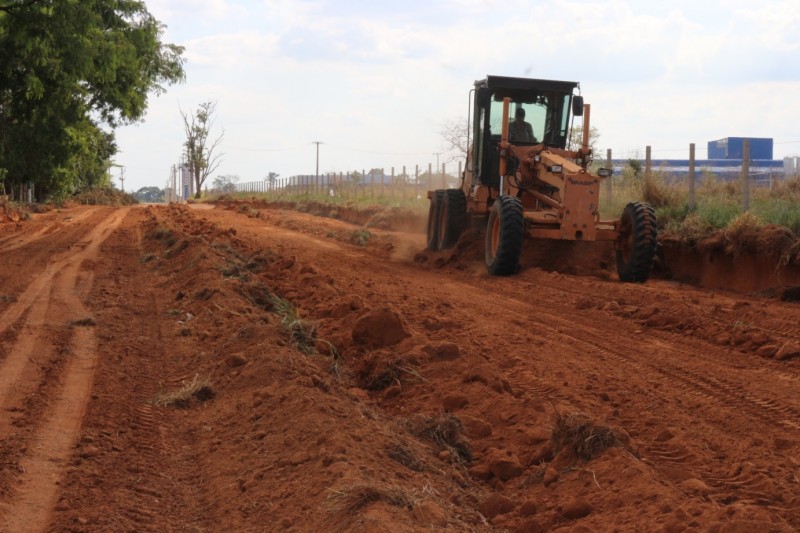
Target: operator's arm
x,y
531,136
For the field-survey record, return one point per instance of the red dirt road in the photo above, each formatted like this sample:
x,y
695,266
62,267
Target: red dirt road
x,y
349,381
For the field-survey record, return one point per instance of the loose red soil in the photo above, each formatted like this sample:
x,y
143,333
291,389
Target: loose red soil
x,y
344,379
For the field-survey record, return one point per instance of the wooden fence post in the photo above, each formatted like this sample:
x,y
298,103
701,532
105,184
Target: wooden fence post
x,y
692,178
746,175
648,164
430,175
405,182
416,181
610,166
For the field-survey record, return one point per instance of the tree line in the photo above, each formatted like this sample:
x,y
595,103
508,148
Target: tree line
x,y
70,73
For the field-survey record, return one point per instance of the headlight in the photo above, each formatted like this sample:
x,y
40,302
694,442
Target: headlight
x,y
605,172
555,169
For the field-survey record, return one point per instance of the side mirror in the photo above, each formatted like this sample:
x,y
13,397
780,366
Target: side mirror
x,y
577,106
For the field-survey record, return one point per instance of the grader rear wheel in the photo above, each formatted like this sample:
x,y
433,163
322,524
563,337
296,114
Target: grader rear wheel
x,y
504,233
636,244
452,217
434,213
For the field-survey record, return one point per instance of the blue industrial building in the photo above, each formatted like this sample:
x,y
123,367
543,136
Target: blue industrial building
x,y
733,148
725,161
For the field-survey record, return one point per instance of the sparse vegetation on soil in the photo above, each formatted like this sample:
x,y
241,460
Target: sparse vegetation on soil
x,y
268,373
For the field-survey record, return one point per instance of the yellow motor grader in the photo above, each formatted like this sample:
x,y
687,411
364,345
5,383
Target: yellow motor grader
x,y
521,179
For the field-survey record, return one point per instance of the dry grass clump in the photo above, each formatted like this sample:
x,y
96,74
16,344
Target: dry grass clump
x,y
197,390
584,439
86,321
788,189
384,377
400,453
301,334
249,211
658,193
352,499
40,208
162,233
693,228
739,232
712,186
386,373
443,430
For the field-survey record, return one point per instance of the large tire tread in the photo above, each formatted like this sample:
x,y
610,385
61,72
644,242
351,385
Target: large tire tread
x,y
511,232
636,263
433,219
453,218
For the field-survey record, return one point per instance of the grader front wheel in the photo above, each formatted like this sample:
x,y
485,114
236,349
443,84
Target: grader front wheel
x,y
504,233
636,244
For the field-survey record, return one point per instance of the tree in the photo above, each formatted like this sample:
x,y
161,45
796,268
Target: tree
x,y
225,184
202,157
271,178
636,167
455,133
576,139
66,70
150,195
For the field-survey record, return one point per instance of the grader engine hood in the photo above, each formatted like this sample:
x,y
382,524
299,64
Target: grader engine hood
x,y
563,186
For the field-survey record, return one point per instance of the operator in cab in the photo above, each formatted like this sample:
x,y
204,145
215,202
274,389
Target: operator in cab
x,y
519,130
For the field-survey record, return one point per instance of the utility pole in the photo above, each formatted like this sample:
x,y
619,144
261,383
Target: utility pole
x,y
437,154
317,172
122,177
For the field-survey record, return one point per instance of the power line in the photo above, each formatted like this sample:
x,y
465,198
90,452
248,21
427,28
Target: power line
x,y
375,152
265,149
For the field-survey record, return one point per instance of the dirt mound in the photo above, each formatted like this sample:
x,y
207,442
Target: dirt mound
x,y
104,196
764,259
566,257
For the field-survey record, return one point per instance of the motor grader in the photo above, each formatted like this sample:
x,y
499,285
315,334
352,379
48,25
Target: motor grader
x,y
532,183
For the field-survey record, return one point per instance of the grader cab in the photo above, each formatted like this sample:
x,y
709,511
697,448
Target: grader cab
x,y
522,179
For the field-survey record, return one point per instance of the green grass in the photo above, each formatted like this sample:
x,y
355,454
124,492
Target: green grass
x,y
718,203
360,198
360,236
301,334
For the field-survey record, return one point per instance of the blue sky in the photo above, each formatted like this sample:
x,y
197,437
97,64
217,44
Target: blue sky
x,y
374,81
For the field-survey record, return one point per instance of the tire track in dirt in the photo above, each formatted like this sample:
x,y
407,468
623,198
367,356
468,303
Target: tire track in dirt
x,y
16,241
698,410
717,388
749,484
58,293
128,471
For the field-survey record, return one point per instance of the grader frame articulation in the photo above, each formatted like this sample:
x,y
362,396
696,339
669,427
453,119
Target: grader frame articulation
x,y
534,186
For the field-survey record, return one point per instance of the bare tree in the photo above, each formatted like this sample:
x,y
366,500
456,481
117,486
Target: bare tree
x,y
455,133
202,157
